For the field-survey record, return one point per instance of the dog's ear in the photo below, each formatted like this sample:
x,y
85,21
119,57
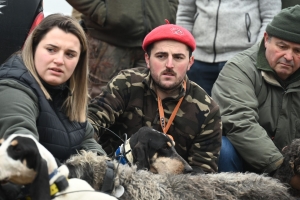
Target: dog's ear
x,y
140,158
26,149
285,149
40,188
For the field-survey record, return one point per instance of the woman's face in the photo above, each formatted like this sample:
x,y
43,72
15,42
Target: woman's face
x,y
56,56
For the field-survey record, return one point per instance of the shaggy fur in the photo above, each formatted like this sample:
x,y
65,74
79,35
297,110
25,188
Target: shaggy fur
x,y
142,184
290,165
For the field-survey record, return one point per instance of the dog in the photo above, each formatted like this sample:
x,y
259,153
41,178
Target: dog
x,y
154,151
290,165
143,184
147,149
24,161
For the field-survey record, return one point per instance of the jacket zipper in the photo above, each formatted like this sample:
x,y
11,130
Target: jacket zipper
x,y
215,38
144,18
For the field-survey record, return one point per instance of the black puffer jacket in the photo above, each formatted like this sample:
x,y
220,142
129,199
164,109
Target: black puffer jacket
x,y
26,110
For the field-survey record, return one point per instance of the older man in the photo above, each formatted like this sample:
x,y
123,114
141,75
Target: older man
x,y
259,96
161,96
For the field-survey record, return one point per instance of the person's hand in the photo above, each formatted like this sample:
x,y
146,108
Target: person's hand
x,y
295,182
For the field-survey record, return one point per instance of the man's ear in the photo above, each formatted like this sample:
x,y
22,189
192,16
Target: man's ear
x,y
147,59
191,62
140,158
266,38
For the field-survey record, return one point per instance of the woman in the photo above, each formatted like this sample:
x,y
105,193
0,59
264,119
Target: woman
x,y
43,89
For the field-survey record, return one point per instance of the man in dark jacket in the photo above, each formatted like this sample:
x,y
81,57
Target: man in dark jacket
x,y
289,3
161,96
258,92
116,30
17,18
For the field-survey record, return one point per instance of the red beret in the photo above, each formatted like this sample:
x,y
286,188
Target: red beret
x,y
170,32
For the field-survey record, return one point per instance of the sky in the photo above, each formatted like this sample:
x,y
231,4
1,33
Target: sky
x,y
57,6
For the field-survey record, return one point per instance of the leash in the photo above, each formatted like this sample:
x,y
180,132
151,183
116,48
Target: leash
x,y
123,154
165,127
64,193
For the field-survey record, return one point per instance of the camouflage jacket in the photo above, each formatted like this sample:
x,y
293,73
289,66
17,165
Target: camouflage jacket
x,y
129,102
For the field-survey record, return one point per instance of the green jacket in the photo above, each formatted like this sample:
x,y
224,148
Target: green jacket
x,y
126,22
22,111
129,103
259,116
288,3
21,119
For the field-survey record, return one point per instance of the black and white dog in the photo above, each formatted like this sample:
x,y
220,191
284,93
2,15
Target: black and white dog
x,y
154,151
24,161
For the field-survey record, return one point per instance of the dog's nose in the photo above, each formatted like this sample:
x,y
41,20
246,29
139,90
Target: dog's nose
x,y
187,169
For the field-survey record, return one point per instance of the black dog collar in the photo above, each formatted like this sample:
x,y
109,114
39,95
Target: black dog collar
x,y
108,181
60,184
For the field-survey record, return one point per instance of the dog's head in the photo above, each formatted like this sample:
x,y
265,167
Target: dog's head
x,y
154,150
291,155
22,164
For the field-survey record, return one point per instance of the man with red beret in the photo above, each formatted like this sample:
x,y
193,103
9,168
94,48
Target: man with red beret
x,y
162,97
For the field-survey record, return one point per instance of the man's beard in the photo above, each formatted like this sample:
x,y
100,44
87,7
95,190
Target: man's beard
x,y
162,87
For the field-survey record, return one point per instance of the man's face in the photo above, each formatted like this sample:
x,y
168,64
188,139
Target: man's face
x,y
283,56
168,63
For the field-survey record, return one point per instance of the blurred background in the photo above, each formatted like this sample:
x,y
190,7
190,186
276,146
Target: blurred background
x,y
57,6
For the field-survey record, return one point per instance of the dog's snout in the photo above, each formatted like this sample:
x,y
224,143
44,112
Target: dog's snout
x,y
188,169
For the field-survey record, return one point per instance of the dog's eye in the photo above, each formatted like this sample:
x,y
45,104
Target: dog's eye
x,y
166,147
17,148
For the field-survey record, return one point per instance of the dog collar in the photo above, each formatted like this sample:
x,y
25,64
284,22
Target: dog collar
x,y
53,174
108,185
123,153
60,184
127,153
109,178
